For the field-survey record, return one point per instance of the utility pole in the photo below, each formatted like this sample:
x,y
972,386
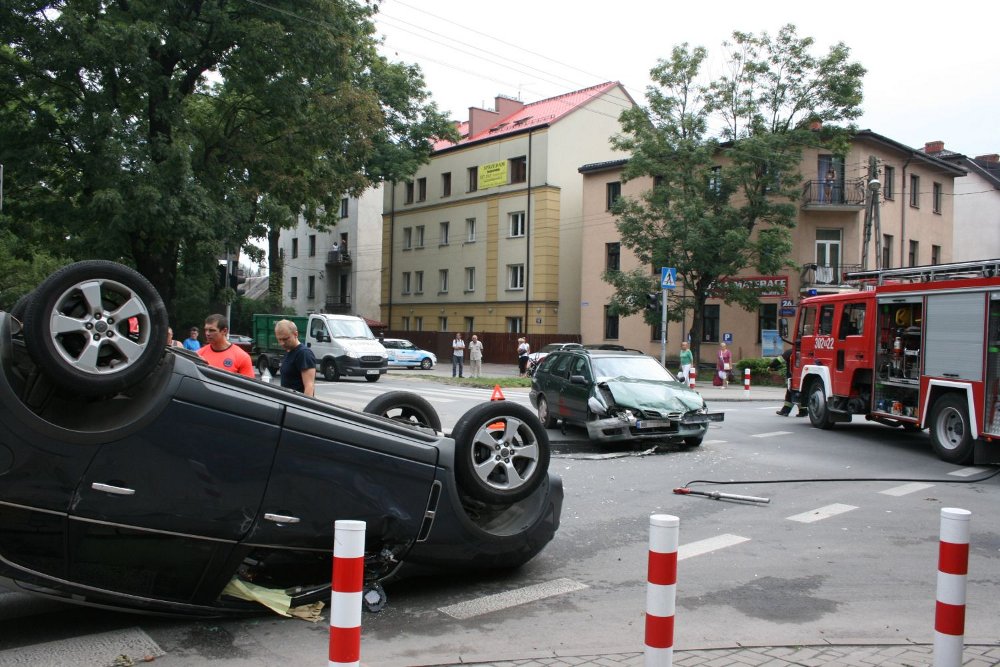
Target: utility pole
x,y
872,221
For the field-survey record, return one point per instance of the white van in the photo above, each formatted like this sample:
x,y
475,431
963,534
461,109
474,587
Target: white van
x,y
344,345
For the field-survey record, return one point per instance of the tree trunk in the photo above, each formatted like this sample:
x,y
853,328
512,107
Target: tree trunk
x,y
275,266
161,270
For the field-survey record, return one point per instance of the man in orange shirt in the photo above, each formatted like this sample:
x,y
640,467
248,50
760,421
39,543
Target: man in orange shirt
x,y
219,352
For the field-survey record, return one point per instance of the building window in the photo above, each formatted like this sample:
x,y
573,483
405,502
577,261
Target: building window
x,y
294,292
312,245
654,332
886,251
406,323
408,197
612,256
470,279
936,201
828,256
470,230
442,280
518,169
515,276
914,191
446,184
418,323
473,179
442,324
407,238
443,234
935,254
517,224
610,324
767,318
614,192
710,323
406,282
311,294
914,254
469,324
419,240
421,189
515,325
343,207
418,282
295,248
888,188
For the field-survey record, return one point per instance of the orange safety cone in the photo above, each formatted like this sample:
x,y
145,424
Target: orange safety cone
x,y
497,394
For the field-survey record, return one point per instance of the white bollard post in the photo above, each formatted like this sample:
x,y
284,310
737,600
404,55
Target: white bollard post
x,y
345,594
953,567
692,376
746,382
661,589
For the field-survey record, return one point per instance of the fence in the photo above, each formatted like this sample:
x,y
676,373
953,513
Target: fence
x,y
498,348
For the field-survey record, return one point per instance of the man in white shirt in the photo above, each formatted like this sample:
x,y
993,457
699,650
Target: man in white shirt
x,y
457,355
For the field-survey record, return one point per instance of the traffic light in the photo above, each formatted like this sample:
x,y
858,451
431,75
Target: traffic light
x,y
653,302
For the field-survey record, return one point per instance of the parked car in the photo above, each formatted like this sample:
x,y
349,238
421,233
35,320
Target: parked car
x,y
244,342
136,476
535,357
619,396
403,353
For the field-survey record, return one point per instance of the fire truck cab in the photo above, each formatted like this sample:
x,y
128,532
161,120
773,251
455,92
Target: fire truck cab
x,y
915,348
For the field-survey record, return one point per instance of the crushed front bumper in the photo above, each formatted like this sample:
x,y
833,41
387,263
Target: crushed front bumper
x,y
620,428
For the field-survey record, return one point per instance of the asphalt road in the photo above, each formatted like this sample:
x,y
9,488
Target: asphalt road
x,y
841,561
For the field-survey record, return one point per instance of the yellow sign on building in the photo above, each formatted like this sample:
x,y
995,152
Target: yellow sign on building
x,y
492,174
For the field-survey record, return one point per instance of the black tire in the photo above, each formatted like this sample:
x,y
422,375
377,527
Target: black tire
x,y
951,432
328,369
96,327
819,416
18,311
263,364
544,415
407,407
426,363
502,452
373,378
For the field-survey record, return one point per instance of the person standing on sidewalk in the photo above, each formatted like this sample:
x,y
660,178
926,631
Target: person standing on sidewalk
x,y
687,362
523,350
724,364
457,356
476,356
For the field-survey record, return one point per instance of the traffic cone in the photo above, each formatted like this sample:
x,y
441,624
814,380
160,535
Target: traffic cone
x,y
497,394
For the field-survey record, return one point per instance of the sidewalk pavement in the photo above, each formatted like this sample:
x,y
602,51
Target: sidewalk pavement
x,y
982,654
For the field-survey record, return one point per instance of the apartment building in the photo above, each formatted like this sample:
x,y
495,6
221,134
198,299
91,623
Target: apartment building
x,y
916,227
488,235
338,270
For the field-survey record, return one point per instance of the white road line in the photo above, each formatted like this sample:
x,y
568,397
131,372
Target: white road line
x,y
507,599
708,545
906,488
769,407
967,472
102,648
772,433
822,513
715,442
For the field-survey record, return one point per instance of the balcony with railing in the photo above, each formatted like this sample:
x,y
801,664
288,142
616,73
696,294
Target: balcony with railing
x,y
338,303
338,258
825,278
838,195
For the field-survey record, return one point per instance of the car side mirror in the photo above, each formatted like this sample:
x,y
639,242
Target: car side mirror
x,y
578,379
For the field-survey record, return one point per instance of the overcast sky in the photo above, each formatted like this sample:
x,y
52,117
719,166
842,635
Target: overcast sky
x,y
933,69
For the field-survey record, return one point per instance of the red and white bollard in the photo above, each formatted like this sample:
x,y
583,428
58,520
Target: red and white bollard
x,y
746,382
692,376
953,566
345,597
661,589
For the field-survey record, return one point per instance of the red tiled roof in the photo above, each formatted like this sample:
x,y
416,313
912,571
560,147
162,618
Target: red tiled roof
x,y
543,112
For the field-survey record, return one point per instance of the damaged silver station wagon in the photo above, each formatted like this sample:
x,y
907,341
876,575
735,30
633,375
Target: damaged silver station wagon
x,y
619,396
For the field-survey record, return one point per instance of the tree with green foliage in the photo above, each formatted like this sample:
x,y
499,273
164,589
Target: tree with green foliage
x,y
159,133
724,158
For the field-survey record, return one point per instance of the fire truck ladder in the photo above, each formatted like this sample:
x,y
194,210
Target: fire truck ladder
x,y
984,268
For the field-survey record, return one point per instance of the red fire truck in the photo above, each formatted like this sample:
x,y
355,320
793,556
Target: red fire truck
x,y
912,348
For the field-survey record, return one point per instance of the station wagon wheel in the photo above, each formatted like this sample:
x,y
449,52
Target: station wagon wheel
x,y
96,327
544,415
426,363
406,407
502,452
951,435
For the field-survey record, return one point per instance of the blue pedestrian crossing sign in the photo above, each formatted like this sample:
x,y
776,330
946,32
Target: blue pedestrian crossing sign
x,y
668,277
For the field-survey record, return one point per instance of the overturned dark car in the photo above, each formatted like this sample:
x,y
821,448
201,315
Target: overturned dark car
x,y
135,476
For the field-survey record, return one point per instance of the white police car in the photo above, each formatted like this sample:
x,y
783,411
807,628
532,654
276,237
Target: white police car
x,y
404,354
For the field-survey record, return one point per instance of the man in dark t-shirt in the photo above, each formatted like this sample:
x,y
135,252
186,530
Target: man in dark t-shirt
x,y
298,368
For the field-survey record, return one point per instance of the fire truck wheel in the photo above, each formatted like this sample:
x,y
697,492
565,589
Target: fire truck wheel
x,y
951,436
818,414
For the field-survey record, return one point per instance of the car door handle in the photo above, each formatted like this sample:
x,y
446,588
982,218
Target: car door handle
x,y
117,490
280,518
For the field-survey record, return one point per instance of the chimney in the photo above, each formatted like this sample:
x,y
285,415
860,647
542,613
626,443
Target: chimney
x,y
933,147
991,158
480,120
507,106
